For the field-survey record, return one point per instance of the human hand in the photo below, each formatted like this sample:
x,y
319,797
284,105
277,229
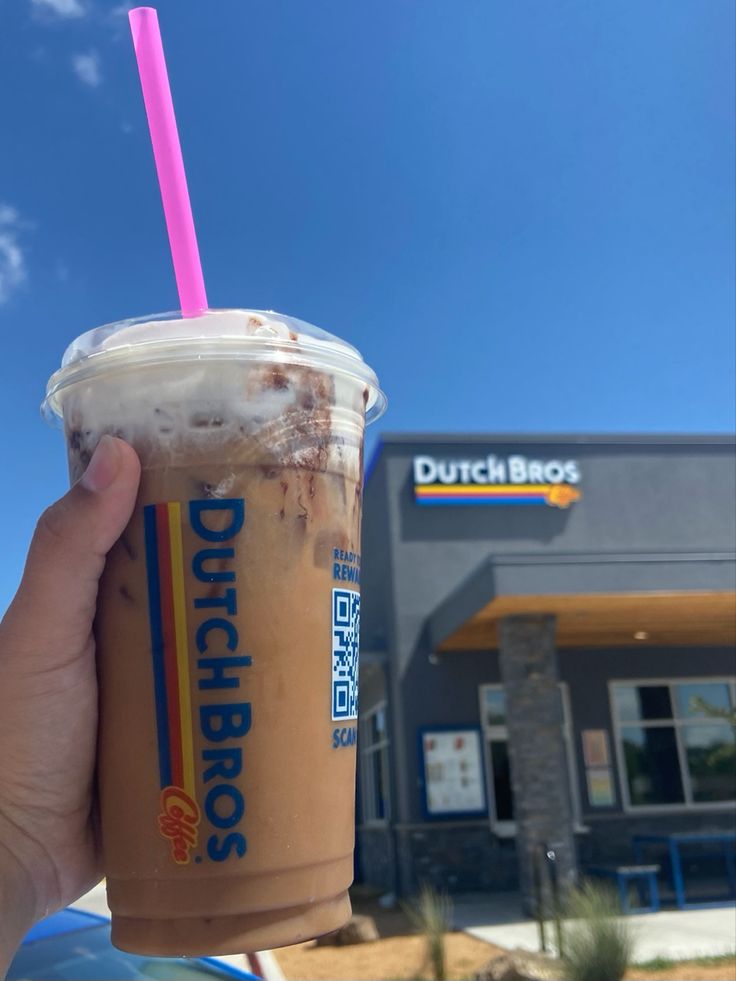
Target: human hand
x,y
48,698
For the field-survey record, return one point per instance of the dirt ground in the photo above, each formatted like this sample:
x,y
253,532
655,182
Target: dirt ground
x,y
392,959
725,971
399,956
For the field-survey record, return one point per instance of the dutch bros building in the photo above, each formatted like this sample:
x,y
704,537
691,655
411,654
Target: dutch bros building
x,y
548,656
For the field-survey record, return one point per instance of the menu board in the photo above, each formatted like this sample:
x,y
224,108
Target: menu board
x,y
453,772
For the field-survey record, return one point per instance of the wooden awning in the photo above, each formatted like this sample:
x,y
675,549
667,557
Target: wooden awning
x,y
660,619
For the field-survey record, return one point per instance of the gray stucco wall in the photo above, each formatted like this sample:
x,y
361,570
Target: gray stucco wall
x,y
372,685
376,586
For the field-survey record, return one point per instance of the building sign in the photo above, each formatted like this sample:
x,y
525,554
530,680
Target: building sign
x,y
453,772
495,480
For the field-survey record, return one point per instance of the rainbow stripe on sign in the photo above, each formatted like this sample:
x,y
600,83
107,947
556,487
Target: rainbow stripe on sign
x,y
171,679
554,495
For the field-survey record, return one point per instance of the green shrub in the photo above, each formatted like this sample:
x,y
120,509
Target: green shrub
x,y
599,943
431,914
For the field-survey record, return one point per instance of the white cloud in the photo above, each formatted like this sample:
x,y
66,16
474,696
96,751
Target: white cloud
x,y
8,215
12,260
117,22
87,68
61,8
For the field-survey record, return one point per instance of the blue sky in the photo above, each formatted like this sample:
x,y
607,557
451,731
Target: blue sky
x,y
522,213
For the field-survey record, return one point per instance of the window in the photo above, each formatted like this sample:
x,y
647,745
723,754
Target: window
x,y
676,741
498,767
374,763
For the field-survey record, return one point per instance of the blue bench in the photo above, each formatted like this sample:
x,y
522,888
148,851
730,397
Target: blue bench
x,y
674,842
641,876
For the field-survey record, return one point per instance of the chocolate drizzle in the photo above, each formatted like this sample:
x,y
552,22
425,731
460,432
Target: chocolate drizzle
x,y
303,515
80,452
277,378
284,489
284,417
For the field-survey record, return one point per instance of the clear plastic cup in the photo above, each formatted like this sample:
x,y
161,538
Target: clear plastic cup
x,y
228,623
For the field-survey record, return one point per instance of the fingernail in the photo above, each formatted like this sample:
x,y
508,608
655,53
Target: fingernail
x,y
103,468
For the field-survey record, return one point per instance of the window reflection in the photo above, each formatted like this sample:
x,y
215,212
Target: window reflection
x,y
702,700
711,760
683,749
495,706
652,765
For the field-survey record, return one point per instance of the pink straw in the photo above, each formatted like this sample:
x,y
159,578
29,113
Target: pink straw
x,y
172,180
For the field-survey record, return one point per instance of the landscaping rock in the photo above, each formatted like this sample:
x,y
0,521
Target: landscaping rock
x,y
358,930
521,965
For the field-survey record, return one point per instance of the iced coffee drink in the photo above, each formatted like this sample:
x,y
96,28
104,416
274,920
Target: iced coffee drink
x,y
227,627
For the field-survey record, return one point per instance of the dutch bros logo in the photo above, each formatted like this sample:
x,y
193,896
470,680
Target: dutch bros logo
x,y
178,822
182,815
495,480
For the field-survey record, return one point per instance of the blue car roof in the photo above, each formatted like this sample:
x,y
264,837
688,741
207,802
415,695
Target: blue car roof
x,y
73,920
65,921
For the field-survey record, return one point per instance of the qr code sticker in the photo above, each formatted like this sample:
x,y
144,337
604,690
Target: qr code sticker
x,y
345,641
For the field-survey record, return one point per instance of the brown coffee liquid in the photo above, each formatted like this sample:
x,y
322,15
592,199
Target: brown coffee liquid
x,y
274,782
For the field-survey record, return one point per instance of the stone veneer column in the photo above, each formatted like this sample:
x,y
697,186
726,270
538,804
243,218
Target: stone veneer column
x,y
539,775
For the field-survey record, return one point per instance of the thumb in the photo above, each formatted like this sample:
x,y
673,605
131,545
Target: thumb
x,y
55,604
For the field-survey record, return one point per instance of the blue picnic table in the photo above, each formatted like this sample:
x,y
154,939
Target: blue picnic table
x,y
673,842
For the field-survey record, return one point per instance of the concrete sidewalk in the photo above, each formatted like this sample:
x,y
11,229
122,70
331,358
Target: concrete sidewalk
x,y
674,934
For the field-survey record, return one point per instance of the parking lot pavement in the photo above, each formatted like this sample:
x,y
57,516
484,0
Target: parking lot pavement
x,y
674,934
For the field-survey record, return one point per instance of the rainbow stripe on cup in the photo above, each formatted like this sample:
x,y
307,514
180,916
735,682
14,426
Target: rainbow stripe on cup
x,y
171,676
